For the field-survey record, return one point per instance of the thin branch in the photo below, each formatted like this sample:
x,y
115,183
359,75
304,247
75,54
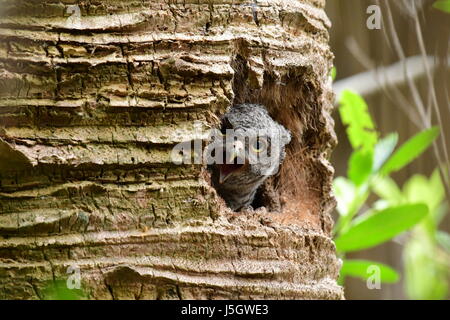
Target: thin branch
x,y
432,90
367,83
412,87
384,82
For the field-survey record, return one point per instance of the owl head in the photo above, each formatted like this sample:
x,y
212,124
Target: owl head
x,y
249,147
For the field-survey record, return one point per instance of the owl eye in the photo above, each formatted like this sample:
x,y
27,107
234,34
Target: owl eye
x,y
259,145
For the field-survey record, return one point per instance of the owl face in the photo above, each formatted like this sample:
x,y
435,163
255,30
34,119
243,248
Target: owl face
x,y
249,147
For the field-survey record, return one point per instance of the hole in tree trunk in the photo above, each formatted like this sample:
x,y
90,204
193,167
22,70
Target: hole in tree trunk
x,y
292,99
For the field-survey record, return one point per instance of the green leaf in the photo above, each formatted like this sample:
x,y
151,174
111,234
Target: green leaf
x,y
360,166
430,192
364,269
355,114
419,189
352,202
436,181
437,186
440,213
443,238
443,5
410,150
345,192
380,205
387,189
383,150
333,73
380,227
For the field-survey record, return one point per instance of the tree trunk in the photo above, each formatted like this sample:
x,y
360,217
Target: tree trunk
x,y
94,95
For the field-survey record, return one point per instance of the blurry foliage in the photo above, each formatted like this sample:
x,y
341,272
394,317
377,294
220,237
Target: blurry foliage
x,y
443,5
426,253
418,207
58,290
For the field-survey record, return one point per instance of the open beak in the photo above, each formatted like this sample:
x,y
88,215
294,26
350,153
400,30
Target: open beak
x,y
234,162
228,168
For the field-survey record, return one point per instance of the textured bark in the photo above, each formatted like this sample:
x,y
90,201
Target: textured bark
x,y
90,109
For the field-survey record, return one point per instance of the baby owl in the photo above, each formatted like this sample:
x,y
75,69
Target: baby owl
x,y
248,149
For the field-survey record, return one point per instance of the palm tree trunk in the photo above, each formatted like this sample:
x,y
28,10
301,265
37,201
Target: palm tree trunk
x,y
94,96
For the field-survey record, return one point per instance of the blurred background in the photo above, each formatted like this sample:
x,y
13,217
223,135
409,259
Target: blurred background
x,y
411,31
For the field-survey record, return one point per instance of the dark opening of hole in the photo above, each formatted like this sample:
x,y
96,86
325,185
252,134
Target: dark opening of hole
x,y
284,98
268,197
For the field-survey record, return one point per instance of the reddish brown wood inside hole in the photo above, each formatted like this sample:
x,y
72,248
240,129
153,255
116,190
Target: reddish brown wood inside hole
x,y
299,194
